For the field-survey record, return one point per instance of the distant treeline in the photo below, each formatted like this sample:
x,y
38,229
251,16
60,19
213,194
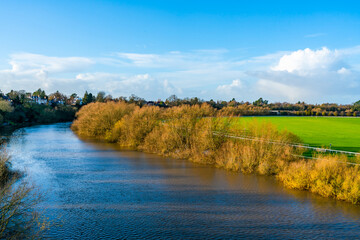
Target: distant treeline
x,y
17,110
260,107
193,133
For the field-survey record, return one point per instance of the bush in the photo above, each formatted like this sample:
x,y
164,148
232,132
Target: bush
x,y
328,176
266,154
132,129
5,107
184,133
97,119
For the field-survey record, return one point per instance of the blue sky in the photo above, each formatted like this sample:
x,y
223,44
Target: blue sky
x,y
281,50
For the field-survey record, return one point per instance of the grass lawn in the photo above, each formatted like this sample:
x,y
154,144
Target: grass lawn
x,y
341,132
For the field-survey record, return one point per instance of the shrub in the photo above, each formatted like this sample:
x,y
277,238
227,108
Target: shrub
x,y
132,129
97,119
328,176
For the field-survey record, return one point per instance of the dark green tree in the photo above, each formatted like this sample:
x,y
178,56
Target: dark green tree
x,y
40,93
260,102
100,97
88,98
356,106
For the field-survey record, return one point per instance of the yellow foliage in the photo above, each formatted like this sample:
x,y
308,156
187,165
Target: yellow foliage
x,y
328,176
95,119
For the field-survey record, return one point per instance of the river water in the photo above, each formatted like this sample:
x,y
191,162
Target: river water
x,y
96,191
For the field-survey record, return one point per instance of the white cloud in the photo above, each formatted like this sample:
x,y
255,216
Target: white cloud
x,y
35,63
343,70
231,89
307,60
29,71
310,75
141,60
97,76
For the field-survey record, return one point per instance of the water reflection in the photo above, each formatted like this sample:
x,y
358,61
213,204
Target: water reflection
x,y
102,191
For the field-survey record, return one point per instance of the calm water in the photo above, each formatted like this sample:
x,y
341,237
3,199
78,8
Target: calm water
x,y
95,191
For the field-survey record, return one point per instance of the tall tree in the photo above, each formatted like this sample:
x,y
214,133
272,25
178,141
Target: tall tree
x,y
260,102
100,96
85,98
40,93
356,106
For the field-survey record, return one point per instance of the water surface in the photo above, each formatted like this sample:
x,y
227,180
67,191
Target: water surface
x,y
95,191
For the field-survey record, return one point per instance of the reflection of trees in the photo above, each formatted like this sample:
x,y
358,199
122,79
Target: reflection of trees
x,y
325,206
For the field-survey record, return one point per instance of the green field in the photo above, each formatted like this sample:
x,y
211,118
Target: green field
x,y
341,132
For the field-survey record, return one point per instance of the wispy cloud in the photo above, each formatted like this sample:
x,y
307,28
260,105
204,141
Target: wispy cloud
x,y
143,85
314,35
25,62
29,71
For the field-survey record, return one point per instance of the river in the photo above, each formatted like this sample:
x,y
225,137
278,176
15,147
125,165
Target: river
x,y
96,191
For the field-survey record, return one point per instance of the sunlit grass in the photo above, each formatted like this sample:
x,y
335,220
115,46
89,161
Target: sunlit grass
x,y
343,133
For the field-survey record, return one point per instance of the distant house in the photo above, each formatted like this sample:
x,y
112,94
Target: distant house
x,y
39,100
6,98
77,100
57,102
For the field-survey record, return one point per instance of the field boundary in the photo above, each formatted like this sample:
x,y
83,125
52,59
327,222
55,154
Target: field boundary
x,y
289,144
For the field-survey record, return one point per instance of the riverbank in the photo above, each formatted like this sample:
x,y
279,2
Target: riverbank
x,y
186,132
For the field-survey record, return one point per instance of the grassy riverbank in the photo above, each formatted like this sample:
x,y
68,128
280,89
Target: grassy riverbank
x,y
341,132
188,132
